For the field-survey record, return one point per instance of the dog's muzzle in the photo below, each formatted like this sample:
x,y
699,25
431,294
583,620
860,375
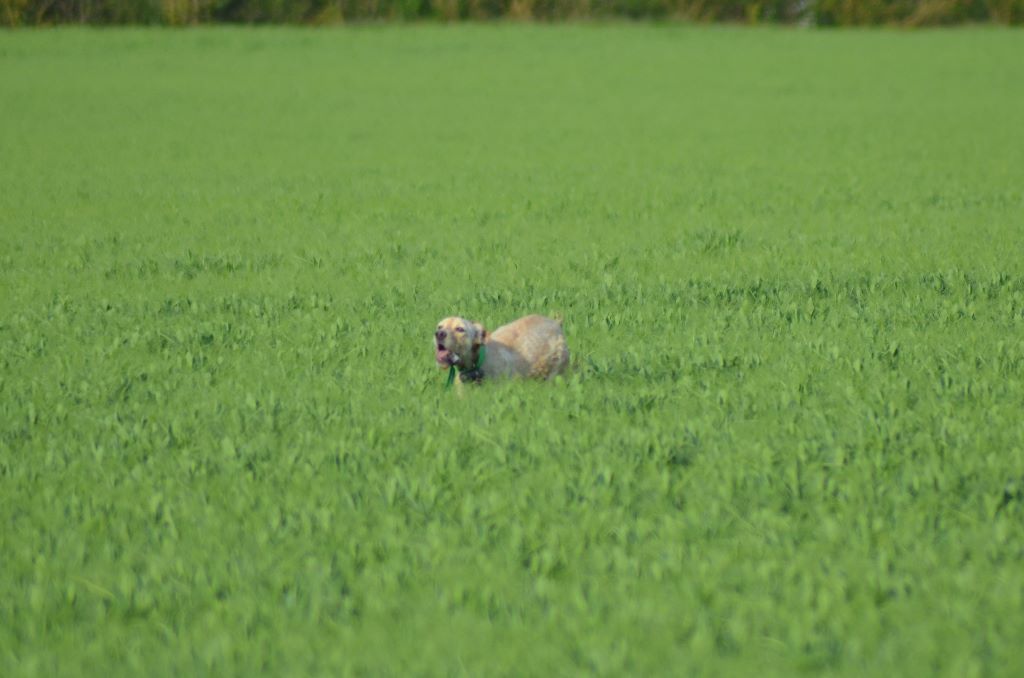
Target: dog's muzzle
x,y
444,357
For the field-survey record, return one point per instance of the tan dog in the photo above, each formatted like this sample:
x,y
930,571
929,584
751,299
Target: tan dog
x,y
533,346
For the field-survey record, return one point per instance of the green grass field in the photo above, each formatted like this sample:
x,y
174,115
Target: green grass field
x,y
790,267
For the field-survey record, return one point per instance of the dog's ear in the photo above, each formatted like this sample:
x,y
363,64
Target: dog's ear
x,y
481,333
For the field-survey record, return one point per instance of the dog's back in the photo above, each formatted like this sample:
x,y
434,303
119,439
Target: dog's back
x,y
532,346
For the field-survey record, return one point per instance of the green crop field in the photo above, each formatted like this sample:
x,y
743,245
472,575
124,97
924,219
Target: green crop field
x,y
790,268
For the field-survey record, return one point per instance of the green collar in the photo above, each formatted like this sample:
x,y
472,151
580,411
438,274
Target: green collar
x,y
473,374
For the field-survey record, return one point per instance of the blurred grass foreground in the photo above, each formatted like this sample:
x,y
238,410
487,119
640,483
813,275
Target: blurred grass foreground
x,y
806,12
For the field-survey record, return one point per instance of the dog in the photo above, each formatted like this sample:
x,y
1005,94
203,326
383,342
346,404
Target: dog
x,y
533,346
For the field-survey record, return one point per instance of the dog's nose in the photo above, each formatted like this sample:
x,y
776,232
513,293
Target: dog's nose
x,y
440,334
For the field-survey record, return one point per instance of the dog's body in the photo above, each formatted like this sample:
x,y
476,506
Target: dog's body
x,y
533,346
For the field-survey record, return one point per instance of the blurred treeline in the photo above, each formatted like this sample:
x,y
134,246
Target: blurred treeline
x,y
812,12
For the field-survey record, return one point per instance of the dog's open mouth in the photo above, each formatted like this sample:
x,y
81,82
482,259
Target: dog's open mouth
x,y
444,357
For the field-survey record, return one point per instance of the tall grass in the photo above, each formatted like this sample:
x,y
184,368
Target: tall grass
x,y
789,267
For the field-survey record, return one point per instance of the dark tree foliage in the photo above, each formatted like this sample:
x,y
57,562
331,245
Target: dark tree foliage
x,y
811,12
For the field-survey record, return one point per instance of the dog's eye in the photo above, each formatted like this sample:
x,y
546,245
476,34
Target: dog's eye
x,y
460,329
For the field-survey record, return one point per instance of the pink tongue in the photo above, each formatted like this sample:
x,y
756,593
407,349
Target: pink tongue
x,y
442,355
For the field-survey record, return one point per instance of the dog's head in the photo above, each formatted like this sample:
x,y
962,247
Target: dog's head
x,y
457,342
